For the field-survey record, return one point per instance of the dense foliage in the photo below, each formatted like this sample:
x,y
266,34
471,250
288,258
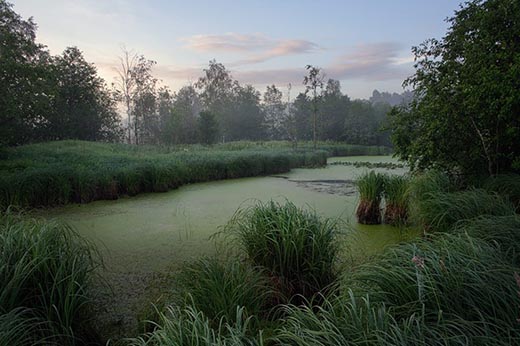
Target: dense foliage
x,y
466,114
44,97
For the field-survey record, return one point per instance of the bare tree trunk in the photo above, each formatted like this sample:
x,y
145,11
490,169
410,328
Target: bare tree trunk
x,y
484,146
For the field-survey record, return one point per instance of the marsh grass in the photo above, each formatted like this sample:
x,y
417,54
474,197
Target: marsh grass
x,y
191,327
45,269
507,185
297,248
454,290
370,186
503,231
218,287
440,211
57,173
396,200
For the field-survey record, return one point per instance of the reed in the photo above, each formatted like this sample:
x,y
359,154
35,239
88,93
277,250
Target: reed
x,y
370,186
396,200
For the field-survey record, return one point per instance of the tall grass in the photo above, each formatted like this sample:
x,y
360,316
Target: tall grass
x,y
440,211
396,199
190,327
455,290
504,231
45,269
370,186
506,185
218,287
73,171
297,248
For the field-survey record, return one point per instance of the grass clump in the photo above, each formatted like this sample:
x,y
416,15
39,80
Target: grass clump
x,y
370,186
396,199
45,269
189,326
218,287
297,248
503,231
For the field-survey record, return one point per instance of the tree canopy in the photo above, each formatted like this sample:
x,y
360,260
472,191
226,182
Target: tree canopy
x,y
465,117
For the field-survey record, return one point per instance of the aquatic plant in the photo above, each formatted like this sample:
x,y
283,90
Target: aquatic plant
x,y
370,186
297,248
396,199
370,165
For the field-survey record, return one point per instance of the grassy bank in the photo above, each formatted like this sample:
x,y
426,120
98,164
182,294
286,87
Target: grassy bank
x,y
57,173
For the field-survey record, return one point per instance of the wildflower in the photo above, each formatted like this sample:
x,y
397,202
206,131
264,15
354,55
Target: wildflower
x,y
419,261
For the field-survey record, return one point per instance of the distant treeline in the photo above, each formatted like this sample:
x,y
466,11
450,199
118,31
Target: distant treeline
x,y
45,97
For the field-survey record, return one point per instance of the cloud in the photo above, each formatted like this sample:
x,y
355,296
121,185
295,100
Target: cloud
x,y
375,62
256,47
368,63
372,62
230,42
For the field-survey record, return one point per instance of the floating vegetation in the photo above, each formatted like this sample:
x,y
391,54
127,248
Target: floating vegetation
x,y
369,165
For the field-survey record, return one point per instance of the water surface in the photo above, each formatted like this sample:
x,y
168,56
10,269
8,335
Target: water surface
x,y
158,232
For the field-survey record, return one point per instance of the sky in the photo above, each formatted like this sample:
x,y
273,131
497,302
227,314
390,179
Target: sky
x,y
364,44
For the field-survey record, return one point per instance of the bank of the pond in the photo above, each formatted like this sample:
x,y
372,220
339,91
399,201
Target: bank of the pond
x,y
148,234
57,173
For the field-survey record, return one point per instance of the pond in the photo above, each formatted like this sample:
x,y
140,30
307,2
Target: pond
x,y
154,233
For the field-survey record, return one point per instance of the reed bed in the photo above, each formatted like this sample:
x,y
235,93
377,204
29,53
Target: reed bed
x,y
57,173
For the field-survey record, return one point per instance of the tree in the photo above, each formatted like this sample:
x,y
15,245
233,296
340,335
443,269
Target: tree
x,y
216,93
466,111
136,87
26,86
186,108
314,84
83,108
334,108
274,110
208,127
245,118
